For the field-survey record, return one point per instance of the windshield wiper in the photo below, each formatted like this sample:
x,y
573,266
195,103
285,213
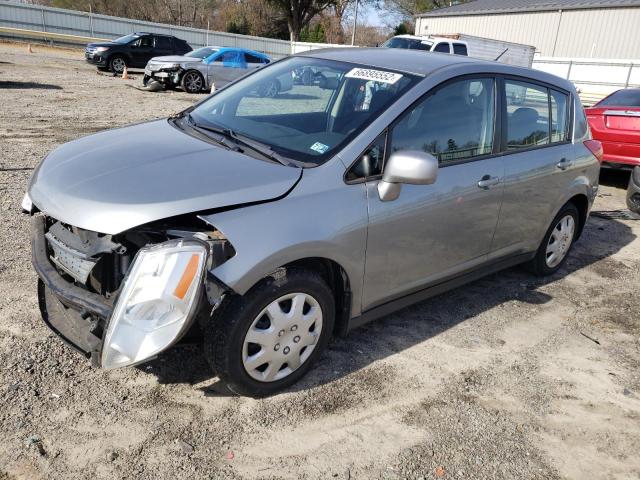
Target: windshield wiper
x,y
262,149
220,139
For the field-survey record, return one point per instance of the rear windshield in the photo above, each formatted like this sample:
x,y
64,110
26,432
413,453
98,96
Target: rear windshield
x,y
203,52
622,98
408,43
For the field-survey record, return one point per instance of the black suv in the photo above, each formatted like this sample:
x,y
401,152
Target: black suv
x,y
133,50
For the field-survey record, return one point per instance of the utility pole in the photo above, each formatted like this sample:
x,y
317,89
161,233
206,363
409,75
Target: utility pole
x,y
355,25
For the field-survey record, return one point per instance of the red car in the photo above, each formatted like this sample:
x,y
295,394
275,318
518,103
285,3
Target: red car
x,y
615,121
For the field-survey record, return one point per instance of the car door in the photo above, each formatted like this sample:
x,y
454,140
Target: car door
x,y
539,162
142,51
434,232
225,67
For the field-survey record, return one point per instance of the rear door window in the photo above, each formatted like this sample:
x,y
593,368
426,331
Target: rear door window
x,y
527,108
442,47
253,58
163,43
460,49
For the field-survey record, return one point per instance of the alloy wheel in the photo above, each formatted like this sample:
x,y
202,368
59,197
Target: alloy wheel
x,y
560,241
118,64
193,82
282,337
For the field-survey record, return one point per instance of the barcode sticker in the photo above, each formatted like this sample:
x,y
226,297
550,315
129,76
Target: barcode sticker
x,y
374,75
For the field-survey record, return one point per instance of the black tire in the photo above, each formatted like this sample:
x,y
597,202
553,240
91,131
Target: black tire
x,y
117,64
539,265
633,191
145,80
192,82
224,335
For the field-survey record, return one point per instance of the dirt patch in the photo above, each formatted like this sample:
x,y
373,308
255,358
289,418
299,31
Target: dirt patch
x,y
509,377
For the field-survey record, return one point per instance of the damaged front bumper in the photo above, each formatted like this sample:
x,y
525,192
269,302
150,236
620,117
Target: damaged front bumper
x,y
155,305
78,316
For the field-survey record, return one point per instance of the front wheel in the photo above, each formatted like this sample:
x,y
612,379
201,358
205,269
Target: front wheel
x,y
268,339
117,64
557,242
192,82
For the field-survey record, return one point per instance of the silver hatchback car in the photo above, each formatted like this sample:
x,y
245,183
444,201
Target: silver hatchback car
x,y
268,225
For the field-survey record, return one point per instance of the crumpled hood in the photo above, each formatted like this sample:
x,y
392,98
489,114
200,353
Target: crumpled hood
x,y
175,59
118,179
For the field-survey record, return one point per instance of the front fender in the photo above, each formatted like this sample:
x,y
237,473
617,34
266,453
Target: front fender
x,y
321,218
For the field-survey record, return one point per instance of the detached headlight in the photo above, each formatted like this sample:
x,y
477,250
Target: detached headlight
x,y
159,295
101,49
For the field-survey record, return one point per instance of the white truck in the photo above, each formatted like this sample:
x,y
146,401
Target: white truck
x,y
468,45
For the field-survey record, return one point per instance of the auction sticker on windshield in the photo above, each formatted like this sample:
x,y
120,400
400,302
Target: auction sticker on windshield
x,y
374,75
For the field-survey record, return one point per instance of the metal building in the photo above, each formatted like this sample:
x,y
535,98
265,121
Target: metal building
x,y
606,29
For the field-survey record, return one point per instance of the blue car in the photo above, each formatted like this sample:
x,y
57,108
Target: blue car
x,y
208,67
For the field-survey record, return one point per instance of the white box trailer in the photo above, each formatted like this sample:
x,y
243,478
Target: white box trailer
x,y
490,49
462,44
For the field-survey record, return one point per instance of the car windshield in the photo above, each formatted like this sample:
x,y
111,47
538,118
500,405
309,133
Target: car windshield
x,y
203,52
409,43
303,108
127,38
622,98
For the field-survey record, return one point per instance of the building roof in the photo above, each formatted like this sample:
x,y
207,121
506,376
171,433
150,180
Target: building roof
x,y
490,7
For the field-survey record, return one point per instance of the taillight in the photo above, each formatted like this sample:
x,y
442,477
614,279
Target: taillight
x,y
595,147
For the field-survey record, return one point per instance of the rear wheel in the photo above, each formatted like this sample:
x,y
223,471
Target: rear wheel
x,y
557,242
266,340
117,63
192,82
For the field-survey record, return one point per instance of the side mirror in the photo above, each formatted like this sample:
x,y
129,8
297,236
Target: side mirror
x,y
413,167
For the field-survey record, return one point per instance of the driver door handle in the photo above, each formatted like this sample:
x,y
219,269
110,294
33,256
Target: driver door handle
x,y
564,164
488,181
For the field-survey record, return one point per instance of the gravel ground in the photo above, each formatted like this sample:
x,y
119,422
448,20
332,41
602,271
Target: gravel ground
x,y
508,377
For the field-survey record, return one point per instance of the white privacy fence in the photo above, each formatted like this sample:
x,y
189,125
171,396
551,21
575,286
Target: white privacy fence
x,y
17,19
594,78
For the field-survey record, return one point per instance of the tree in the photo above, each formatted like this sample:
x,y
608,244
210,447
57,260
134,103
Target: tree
x,y
299,13
401,29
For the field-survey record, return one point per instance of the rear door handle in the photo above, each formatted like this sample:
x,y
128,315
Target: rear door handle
x,y
488,181
564,164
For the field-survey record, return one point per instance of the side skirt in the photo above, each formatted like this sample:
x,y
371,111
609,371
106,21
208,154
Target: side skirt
x,y
436,289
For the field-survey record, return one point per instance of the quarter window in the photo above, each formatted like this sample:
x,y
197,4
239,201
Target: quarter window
x,y
460,49
559,116
527,115
370,164
453,123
